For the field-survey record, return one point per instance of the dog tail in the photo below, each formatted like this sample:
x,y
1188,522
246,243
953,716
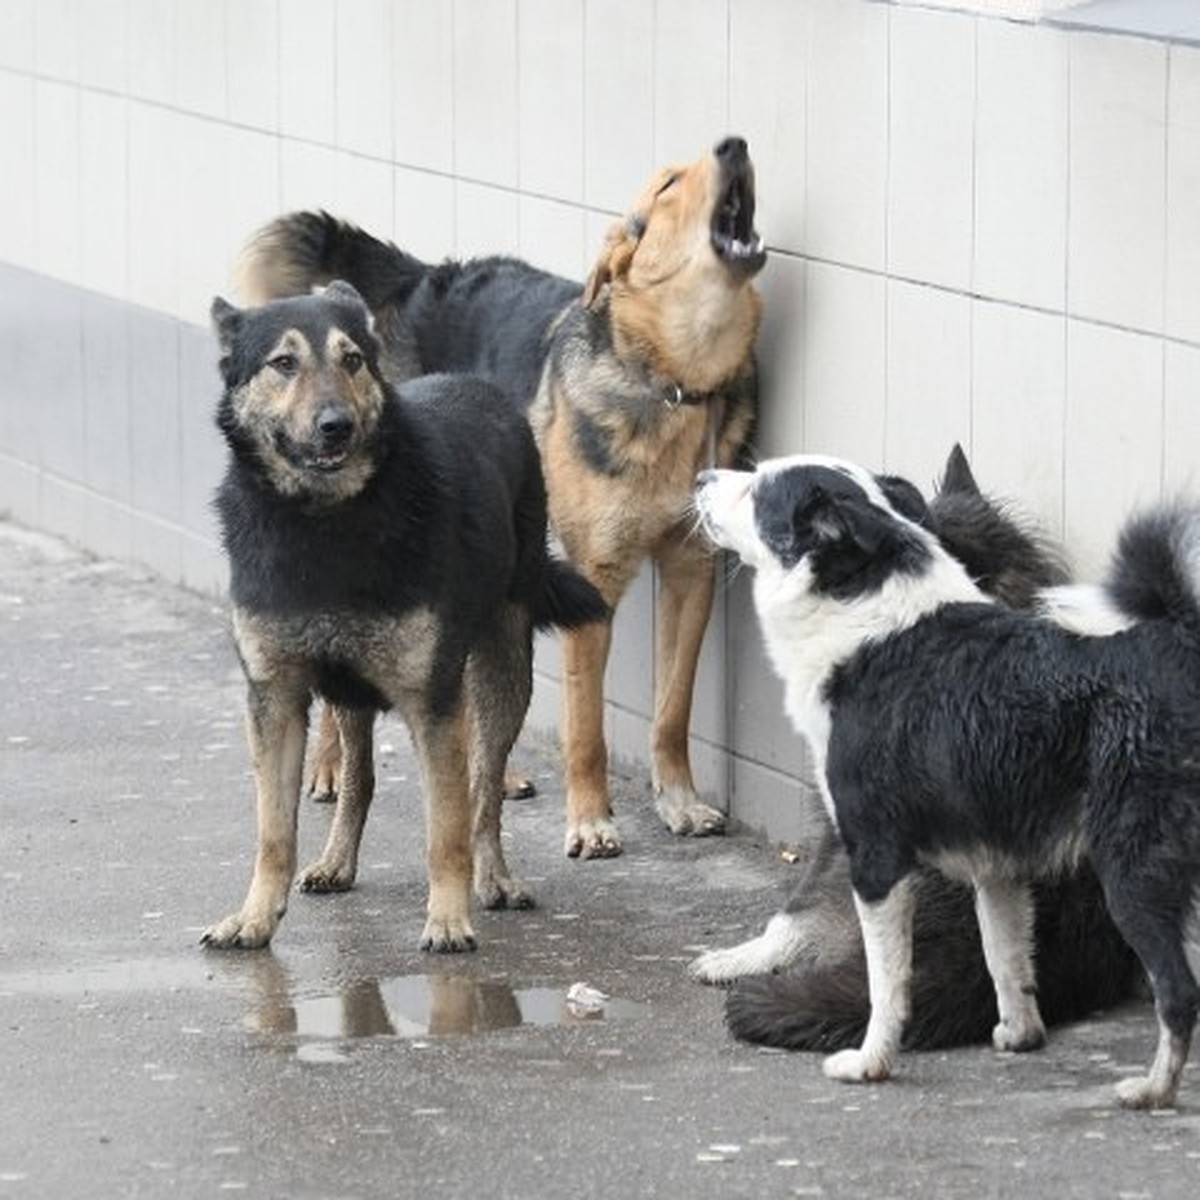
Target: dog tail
x,y
567,599
303,250
1083,966
1155,572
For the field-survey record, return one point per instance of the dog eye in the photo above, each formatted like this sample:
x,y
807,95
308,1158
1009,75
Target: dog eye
x,y
285,364
671,181
352,360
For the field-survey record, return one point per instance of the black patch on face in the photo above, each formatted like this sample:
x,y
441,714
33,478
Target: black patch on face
x,y
822,512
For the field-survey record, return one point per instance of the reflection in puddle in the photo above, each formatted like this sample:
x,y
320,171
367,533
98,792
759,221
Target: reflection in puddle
x,y
427,1006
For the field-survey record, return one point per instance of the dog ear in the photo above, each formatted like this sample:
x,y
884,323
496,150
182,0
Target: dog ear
x,y
840,518
904,497
345,293
957,478
341,292
227,323
227,320
620,244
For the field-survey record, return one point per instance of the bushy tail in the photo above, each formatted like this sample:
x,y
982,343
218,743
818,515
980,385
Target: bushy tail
x,y
297,252
1155,572
1083,966
567,599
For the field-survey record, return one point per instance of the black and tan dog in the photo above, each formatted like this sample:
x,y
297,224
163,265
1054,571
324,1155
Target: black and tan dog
x,y
387,549
632,382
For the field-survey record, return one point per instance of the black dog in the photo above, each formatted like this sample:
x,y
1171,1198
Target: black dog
x,y
994,746
387,549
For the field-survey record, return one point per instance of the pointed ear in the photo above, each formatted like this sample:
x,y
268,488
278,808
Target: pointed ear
x,y
343,292
620,244
957,477
226,321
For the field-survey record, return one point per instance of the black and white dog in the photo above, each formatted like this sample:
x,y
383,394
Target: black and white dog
x,y
996,746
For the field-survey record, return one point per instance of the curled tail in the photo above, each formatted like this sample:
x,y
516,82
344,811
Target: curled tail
x,y
1155,572
301,250
567,599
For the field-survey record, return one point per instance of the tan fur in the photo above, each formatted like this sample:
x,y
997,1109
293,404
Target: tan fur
x,y
656,360
679,316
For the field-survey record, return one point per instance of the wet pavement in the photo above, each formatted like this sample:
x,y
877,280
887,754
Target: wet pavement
x,y
344,1062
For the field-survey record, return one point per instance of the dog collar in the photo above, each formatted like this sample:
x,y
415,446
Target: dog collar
x,y
674,396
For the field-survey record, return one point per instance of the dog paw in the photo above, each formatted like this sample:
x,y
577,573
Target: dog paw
x,y
497,891
237,932
518,786
447,936
593,839
714,966
321,878
1019,1037
1140,1091
853,1066
324,783
683,814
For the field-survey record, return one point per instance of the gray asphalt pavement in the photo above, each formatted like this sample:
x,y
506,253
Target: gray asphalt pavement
x,y
345,1063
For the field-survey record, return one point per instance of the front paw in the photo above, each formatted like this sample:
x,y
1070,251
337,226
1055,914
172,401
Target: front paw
x,y
683,814
1019,1036
323,877
240,932
443,935
502,891
593,839
853,1066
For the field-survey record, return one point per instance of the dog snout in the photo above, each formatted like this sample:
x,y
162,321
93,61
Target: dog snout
x,y
733,151
334,425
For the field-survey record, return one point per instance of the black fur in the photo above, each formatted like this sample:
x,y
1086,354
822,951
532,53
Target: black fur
x,y
1084,965
996,745
489,317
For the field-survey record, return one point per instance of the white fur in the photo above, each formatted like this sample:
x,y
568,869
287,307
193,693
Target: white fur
x,y
1083,608
808,635
1004,909
887,939
779,945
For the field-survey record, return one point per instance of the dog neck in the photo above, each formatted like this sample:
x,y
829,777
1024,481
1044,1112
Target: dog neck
x,y
809,634
693,347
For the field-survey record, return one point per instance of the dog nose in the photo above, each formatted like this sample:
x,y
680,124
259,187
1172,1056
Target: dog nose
x,y
706,477
334,424
732,150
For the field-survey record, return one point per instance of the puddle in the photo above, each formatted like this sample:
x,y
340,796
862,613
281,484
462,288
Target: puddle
x,y
416,1006
406,1006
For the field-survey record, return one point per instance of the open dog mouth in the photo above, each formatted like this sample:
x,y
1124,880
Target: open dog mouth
x,y
326,463
733,236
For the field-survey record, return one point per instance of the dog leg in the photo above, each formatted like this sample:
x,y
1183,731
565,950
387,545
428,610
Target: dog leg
x,y
779,945
499,682
325,763
591,832
336,869
441,744
685,592
1158,941
1004,909
887,938
276,725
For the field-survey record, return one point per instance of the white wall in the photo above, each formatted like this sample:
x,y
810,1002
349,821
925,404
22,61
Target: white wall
x,y
981,231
